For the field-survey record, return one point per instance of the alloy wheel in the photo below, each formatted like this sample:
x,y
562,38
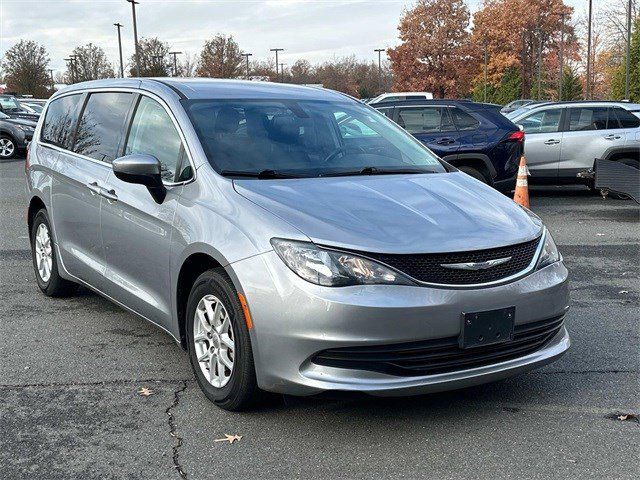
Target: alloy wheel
x,y
214,340
44,252
6,147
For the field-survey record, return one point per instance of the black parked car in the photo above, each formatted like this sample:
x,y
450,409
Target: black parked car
x,y
473,137
10,105
15,134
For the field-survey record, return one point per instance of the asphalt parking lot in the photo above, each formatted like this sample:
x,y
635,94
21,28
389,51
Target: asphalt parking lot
x,y
70,370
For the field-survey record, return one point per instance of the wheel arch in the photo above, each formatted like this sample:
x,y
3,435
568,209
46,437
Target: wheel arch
x,y
479,161
192,266
35,205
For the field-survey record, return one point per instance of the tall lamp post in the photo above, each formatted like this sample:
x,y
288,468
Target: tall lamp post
x,y
246,57
561,55
119,26
486,58
175,62
588,96
282,72
379,51
276,50
626,80
135,34
53,84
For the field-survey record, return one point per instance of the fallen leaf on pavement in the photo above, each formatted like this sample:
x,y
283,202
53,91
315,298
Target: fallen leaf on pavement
x,y
627,416
623,291
229,438
145,392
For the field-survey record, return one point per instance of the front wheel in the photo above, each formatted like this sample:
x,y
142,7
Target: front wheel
x,y
8,148
219,344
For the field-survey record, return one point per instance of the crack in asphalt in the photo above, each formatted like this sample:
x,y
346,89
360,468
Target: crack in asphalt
x,y
579,372
105,383
173,432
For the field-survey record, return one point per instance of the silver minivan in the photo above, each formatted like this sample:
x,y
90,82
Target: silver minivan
x,y
291,239
564,139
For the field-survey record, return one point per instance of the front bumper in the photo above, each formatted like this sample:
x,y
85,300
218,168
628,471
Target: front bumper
x,y
294,319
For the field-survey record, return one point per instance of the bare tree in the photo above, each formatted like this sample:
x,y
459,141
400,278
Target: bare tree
x,y
25,69
188,65
221,57
90,64
154,58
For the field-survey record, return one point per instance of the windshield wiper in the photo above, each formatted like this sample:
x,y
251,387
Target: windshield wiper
x,y
379,171
261,175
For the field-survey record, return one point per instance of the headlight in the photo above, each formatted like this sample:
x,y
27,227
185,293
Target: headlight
x,y
549,253
331,268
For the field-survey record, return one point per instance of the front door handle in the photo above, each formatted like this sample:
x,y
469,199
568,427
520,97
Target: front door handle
x,y
445,141
94,188
612,137
552,141
110,195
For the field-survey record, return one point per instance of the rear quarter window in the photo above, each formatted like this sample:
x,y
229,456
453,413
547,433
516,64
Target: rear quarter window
x,y
57,128
626,118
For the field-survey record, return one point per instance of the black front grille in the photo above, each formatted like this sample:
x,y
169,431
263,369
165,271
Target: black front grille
x,y
427,267
430,357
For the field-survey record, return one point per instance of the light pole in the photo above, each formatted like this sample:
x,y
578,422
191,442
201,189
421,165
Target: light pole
x,y
276,50
626,80
119,26
379,51
246,57
588,96
175,62
135,34
540,67
486,57
159,59
561,55
282,72
53,84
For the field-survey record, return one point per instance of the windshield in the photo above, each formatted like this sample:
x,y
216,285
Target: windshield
x,y
305,139
9,104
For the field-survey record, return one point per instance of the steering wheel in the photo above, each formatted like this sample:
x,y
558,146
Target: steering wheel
x,y
341,150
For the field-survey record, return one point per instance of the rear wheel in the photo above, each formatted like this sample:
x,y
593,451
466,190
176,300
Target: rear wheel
x,y
43,253
218,343
474,173
8,147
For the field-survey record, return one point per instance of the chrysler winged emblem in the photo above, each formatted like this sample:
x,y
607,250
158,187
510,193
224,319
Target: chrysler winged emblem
x,y
476,265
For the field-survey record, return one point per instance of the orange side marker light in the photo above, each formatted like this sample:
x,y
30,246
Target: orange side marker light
x,y
245,310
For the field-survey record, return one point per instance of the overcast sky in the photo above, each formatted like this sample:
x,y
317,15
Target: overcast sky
x,y
313,29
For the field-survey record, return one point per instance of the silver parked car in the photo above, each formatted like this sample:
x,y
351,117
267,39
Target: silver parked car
x,y
292,239
564,139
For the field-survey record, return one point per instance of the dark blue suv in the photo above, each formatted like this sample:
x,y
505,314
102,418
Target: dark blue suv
x,y
474,137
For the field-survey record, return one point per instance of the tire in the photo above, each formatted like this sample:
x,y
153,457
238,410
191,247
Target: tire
x,y
8,147
45,261
474,173
233,389
632,162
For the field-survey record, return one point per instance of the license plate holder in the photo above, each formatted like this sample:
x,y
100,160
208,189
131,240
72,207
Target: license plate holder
x,y
487,328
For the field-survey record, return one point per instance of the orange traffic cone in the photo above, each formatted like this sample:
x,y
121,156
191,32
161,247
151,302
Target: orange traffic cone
x,y
522,185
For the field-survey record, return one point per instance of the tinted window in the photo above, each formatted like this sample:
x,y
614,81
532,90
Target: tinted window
x,y
101,127
463,120
58,122
545,121
626,119
425,119
153,132
388,111
590,118
303,137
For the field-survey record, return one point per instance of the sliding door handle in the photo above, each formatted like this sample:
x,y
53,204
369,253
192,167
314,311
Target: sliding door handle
x,y
552,141
110,195
94,188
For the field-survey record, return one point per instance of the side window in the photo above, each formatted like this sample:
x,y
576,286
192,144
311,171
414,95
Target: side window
x,y
590,118
463,120
102,124
153,132
387,111
545,121
626,118
425,119
57,128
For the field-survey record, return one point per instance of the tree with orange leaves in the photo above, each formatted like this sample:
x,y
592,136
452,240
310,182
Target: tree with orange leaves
x,y
435,53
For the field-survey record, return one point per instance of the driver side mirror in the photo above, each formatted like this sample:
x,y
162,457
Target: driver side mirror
x,y
142,169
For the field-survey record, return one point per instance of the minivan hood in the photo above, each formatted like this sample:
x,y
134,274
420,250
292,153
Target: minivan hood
x,y
427,213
